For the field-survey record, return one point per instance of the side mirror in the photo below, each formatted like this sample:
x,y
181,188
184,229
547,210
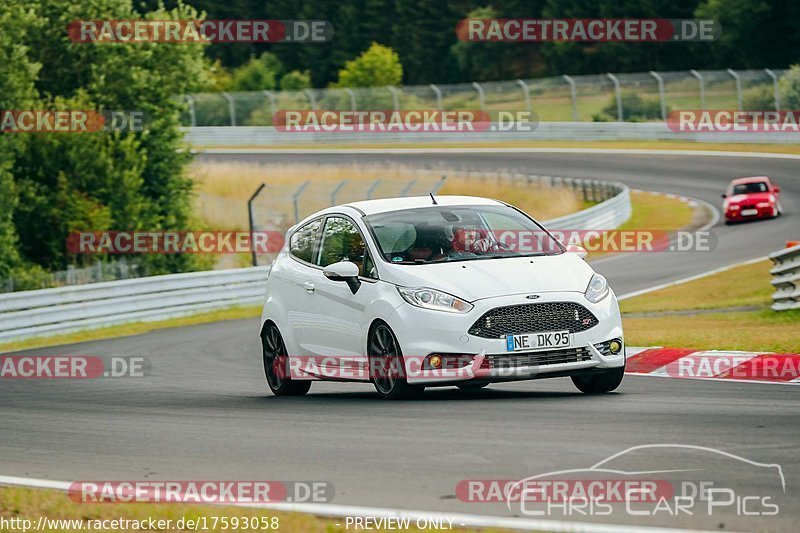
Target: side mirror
x,y
575,249
346,271
776,189
724,195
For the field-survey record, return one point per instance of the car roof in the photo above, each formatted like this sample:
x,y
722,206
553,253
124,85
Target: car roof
x,y
384,205
750,179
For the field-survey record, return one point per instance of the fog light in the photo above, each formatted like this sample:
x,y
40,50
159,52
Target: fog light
x,y
435,361
615,346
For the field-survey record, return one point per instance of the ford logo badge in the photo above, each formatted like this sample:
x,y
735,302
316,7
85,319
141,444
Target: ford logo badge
x,y
532,296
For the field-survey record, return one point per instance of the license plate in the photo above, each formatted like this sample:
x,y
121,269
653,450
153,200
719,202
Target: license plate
x,y
749,212
532,341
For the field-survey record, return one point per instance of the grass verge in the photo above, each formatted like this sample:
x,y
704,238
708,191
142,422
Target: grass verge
x,y
707,314
31,504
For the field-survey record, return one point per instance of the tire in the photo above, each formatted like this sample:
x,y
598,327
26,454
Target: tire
x,y
600,382
386,364
472,386
276,365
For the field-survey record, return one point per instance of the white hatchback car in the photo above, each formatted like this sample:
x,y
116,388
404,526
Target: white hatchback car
x,y
409,293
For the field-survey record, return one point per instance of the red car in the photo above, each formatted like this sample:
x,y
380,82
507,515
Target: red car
x,y
751,198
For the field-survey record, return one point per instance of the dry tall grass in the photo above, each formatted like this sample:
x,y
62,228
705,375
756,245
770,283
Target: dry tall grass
x,y
224,188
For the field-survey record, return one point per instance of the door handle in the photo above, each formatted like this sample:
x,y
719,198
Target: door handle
x,y
309,287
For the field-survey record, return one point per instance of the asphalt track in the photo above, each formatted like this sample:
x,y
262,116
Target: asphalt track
x,y
204,411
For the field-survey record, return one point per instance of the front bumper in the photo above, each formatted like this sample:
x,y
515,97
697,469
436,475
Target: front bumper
x,y
421,332
735,215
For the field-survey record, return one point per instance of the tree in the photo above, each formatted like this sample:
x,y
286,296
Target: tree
x,y
378,66
129,180
258,74
296,80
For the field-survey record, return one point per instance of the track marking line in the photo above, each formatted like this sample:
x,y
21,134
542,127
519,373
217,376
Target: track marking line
x,y
459,519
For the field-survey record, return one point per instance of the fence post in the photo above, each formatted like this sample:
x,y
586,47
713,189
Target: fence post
x,y
312,100
527,92
702,88
252,221
438,92
738,81
336,191
438,185
775,88
661,94
407,187
481,99
395,97
231,107
271,97
573,95
618,92
372,188
295,200
192,117
352,99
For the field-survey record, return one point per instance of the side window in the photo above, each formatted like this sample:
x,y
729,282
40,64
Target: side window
x,y
341,241
302,242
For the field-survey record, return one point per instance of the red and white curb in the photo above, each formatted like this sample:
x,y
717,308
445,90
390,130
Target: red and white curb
x,y
720,365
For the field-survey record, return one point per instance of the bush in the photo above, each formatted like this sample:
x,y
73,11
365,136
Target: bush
x,y
789,87
296,81
258,74
634,108
759,98
378,66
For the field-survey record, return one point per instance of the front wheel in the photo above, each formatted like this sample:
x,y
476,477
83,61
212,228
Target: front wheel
x,y
276,365
387,368
599,382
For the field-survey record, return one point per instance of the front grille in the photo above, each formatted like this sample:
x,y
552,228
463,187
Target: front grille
x,y
532,318
550,357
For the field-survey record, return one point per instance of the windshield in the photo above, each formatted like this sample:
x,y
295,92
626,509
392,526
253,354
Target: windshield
x,y
749,188
459,233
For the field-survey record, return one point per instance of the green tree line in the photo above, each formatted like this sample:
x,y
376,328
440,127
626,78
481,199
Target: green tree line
x,y
756,34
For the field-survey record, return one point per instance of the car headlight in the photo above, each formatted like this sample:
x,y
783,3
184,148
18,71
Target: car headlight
x,y
597,289
763,204
734,206
433,299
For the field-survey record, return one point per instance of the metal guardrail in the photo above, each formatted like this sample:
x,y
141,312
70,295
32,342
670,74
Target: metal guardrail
x,y
786,278
633,96
61,310
265,136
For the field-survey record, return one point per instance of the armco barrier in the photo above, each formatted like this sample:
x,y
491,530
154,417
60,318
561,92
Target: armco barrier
x,y
265,136
786,278
49,312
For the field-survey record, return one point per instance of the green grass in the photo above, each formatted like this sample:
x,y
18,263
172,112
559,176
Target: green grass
x,y
709,319
33,503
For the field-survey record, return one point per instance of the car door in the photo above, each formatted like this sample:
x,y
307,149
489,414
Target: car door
x,y
342,316
297,297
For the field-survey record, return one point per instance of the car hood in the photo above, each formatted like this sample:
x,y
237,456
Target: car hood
x,y
486,278
751,197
